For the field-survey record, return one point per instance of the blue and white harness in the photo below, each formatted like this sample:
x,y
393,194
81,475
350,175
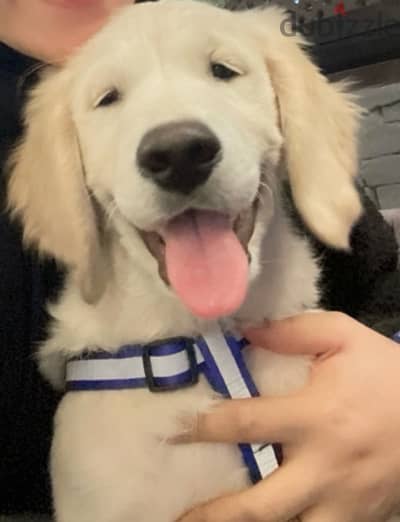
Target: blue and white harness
x,y
174,364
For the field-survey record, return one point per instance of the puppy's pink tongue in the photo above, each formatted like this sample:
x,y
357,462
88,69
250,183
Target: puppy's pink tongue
x,y
206,265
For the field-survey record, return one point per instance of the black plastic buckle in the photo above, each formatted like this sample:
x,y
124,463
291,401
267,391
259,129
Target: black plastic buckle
x,y
148,369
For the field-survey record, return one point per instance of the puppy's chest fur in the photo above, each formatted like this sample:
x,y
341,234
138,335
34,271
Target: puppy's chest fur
x,y
111,460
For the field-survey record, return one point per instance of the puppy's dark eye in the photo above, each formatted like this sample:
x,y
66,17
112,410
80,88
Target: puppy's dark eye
x,y
108,98
223,72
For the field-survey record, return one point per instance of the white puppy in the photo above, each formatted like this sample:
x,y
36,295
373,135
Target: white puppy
x,y
177,117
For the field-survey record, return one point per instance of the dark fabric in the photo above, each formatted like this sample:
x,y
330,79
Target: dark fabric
x,y
365,282
26,403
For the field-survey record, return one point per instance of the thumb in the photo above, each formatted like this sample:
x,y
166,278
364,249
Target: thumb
x,y
307,334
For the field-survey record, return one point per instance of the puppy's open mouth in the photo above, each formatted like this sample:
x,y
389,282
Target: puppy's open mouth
x,y
203,255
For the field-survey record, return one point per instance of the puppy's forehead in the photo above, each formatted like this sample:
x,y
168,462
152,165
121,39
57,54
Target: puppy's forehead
x,y
170,18
169,27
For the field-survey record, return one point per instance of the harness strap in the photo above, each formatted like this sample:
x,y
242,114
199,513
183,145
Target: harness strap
x,y
174,364
227,372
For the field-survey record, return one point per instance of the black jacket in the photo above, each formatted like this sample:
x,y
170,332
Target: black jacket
x,y
27,404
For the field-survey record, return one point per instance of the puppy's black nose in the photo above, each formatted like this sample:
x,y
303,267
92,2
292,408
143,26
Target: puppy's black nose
x,y
179,156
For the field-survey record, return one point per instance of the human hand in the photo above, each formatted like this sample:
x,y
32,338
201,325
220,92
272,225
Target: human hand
x,y
50,30
340,434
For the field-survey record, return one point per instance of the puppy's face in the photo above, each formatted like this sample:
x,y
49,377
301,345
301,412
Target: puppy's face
x,y
178,117
176,112
175,117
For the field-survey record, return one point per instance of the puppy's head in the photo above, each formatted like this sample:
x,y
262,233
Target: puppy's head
x,y
171,120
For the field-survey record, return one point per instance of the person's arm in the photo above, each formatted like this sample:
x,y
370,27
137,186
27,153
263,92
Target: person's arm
x,y
49,29
340,434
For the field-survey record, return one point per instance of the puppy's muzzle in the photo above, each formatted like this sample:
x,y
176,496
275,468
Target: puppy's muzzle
x,y
179,156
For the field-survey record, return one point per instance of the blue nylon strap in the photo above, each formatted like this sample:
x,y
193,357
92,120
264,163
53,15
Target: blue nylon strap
x,y
132,367
232,379
396,337
177,381
216,380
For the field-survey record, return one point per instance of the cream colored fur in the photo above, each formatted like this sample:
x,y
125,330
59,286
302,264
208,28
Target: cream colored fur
x,y
110,459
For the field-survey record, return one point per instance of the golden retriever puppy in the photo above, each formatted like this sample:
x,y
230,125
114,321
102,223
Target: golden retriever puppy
x,y
153,166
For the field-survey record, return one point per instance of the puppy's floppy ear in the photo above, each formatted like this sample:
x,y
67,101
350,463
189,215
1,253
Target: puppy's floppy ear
x,y
47,187
319,123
